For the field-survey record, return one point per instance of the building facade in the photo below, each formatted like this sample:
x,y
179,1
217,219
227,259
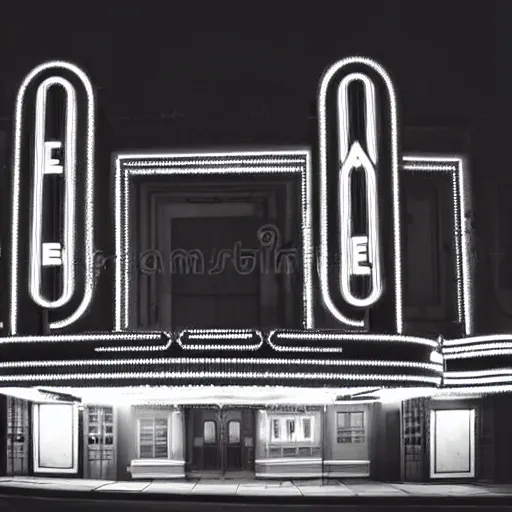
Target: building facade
x,y
298,312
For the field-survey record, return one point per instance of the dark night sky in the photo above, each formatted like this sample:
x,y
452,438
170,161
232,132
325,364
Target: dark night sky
x,y
217,61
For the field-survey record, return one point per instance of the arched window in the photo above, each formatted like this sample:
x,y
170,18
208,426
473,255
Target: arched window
x,y
210,432
234,432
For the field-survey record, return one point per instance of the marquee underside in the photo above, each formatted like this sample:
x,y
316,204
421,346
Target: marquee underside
x,y
215,396
235,396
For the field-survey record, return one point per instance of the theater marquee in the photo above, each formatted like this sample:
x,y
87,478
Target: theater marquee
x,y
351,264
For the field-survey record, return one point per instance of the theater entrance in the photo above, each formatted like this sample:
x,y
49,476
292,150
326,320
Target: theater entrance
x,y
220,442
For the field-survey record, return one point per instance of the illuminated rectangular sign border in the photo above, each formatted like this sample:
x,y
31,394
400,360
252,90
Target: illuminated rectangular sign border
x,y
454,167
228,163
58,67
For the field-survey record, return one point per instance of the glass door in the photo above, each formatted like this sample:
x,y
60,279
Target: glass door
x,y
233,446
211,445
99,429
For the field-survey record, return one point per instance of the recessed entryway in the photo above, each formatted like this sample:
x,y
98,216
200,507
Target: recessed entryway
x,y
220,442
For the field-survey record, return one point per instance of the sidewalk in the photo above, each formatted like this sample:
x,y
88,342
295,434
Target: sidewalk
x,y
297,488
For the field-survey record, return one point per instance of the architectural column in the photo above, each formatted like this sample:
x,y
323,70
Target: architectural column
x,y
178,435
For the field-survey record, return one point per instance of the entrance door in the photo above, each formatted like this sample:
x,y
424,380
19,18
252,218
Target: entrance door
x,y
100,444
347,448
221,441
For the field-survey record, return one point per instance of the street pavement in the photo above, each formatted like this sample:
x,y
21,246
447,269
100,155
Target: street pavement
x,y
348,488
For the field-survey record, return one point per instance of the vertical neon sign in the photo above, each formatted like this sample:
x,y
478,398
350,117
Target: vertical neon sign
x,y
64,158
359,197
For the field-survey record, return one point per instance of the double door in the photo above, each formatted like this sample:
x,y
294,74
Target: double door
x,y
221,441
